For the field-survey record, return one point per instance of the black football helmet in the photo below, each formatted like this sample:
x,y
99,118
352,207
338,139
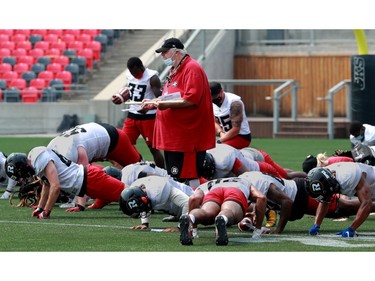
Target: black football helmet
x,y
16,167
113,172
209,166
321,184
134,201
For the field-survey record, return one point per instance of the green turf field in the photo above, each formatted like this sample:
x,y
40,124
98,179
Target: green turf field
x,y
107,230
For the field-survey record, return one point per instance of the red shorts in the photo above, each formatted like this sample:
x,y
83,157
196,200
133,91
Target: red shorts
x,y
124,153
101,186
220,195
133,128
237,142
312,205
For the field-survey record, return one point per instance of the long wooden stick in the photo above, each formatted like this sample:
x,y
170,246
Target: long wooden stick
x,y
151,102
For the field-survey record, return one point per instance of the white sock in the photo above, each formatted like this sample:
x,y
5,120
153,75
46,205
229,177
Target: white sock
x,y
192,218
225,219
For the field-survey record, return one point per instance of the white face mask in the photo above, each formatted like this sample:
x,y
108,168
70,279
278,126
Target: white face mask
x,y
169,61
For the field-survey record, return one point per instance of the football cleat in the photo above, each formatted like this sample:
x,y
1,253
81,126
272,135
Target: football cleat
x,y
221,231
271,218
186,231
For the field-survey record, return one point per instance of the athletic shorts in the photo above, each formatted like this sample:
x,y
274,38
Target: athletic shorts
x,y
220,195
133,128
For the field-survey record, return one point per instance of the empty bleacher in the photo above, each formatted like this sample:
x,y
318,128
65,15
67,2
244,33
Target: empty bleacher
x,y
71,55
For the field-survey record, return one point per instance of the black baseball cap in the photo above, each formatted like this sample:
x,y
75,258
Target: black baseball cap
x,y
309,163
169,44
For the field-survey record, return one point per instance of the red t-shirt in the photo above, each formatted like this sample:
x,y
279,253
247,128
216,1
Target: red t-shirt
x,y
192,128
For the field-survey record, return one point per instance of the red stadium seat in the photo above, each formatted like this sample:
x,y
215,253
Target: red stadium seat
x,y
27,45
66,77
5,67
57,32
8,45
91,32
63,60
25,32
50,38
40,32
67,38
47,75
54,68
19,38
18,52
21,67
9,32
75,45
4,37
36,53
96,47
89,55
9,76
18,83
38,83
30,94
61,45
42,45
26,59
84,38
4,53
74,32
52,52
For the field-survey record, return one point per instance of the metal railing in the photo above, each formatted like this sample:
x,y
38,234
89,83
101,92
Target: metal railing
x,y
330,99
286,86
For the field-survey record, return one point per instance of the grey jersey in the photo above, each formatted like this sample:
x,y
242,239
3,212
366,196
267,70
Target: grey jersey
x,y
263,181
225,157
91,136
163,196
5,181
131,173
252,153
348,175
71,175
232,182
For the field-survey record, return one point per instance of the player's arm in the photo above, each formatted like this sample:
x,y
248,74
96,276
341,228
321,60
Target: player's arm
x,y
54,183
260,205
236,117
195,200
363,192
275,195
155,84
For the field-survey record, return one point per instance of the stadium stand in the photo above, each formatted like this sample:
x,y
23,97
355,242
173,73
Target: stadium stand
x,y
11,95
29,95
28,76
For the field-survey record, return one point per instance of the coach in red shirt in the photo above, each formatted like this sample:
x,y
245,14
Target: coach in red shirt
x,y
184,129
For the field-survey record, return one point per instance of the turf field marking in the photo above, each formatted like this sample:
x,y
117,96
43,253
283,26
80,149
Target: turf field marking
x,y
321,240
67,224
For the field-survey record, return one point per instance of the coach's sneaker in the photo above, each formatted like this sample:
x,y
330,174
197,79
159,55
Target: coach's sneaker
x,y
221,231
271,218
186,230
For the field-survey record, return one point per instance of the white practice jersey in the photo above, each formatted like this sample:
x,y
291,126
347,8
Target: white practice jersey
x,y
369,139
252,153
222,114
263,181
225,157
348,175
71,175
92,136
232,182
140,89
130,173
163,195
5,181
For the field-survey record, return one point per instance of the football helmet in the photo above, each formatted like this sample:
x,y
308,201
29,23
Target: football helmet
x,y
322,184
16,167
209,166
113,172
134,201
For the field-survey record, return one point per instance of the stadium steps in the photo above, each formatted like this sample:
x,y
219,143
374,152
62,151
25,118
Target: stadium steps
x,y
302,128
131,43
